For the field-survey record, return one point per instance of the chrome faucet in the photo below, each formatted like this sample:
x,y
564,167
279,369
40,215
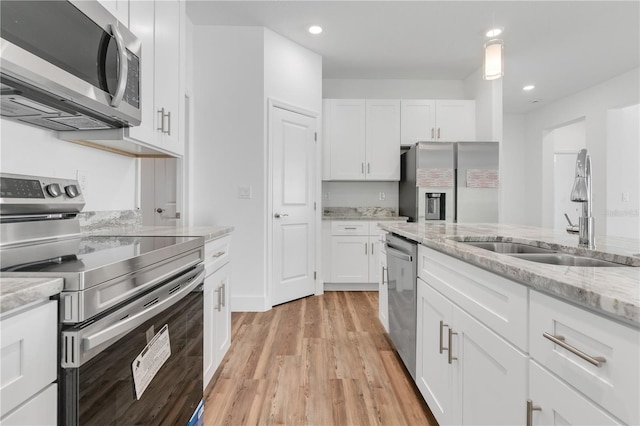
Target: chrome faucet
x,y
581,193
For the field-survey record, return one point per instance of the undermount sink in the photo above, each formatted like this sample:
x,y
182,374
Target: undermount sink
x,y
540,254
565,259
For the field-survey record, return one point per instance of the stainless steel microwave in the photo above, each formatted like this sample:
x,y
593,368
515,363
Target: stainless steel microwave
x,y
68,65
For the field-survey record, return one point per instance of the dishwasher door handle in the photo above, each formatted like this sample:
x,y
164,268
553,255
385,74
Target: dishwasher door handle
x,y
398,254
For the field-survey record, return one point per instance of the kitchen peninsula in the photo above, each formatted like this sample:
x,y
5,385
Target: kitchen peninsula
x,y
501,339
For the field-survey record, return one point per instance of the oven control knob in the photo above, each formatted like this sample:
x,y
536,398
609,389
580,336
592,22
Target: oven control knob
x,y
72,191
54,190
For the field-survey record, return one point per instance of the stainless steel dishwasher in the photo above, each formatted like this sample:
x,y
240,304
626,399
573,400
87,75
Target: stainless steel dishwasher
x,y
402,267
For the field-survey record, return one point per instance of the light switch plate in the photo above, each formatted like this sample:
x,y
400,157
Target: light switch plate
x,y
244,192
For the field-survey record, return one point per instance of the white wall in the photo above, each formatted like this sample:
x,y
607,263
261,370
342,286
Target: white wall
x,y
623,172
392,89
359,194
513,179
111,178
236,69
592,104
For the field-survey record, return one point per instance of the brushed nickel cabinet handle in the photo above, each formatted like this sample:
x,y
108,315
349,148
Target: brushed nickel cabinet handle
x,y
450,349
365,248
161,112
218,254
442,325
432,135
530,409
223,293
219,307
369,168
371,248
362,168
350,228
559,340
438,132
169,123
383,270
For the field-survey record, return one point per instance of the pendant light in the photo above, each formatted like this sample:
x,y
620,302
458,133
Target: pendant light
x,y
493,59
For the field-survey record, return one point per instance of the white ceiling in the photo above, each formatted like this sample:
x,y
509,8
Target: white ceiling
x,y
562,47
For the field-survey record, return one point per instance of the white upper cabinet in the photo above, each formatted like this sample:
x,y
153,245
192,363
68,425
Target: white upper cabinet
x,y
159,26
438,120
383,140
362,139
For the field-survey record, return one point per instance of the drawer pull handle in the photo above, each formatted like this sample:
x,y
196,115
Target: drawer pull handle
x,y
350,228
450,349
559,340
383,270
218,254
530,409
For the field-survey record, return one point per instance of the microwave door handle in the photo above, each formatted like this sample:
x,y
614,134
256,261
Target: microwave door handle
x,y
123,67
124,326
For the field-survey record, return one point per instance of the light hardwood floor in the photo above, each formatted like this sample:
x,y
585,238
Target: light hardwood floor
x,y
321,360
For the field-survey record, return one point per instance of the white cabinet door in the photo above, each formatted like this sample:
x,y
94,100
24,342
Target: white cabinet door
x,y
167,73
455,120
374,259
383,292
433,372
383,140
41,410
347,135
350,259
418,121
489,375
222,318
560,404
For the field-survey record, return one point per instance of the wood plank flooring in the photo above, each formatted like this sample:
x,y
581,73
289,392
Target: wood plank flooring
x,y
321,360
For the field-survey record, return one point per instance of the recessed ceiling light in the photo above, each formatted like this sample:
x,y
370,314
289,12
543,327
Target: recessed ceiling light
x,y
529,87
315,29
494,32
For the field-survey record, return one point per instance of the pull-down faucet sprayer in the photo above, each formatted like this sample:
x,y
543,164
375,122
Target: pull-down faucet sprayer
x,y
581,193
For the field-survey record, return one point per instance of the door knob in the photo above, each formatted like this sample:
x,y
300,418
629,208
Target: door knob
x,y
159,210
278,215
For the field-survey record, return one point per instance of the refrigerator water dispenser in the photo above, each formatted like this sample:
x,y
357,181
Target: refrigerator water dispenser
x,y
435,206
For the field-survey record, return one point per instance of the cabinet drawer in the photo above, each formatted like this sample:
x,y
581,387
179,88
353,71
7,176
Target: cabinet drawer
x,y
41,410
216,254
499,303
28,354
612,385
350,227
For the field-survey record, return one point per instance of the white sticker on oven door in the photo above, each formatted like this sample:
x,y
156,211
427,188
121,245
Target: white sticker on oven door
x,y
151,359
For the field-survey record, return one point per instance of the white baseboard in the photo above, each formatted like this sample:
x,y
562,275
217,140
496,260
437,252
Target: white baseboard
x,y
350,286
248,304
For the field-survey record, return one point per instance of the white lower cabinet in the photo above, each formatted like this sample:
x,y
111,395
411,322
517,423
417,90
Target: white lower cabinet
x,y
354,253
28,356
383,282
466,373
217,312
557,403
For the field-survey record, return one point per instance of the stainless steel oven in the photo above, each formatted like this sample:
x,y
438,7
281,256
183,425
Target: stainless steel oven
x,y
402,256
131,309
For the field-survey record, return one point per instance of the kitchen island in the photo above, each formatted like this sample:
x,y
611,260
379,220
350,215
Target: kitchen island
x,y
614,291
505,340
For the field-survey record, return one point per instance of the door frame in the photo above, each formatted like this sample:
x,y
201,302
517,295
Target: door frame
x,y
271,104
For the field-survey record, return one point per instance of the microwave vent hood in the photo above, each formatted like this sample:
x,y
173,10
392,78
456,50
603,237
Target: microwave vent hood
x,y
28,105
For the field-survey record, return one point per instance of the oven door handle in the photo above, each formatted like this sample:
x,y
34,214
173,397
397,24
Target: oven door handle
x,y
128,324
398,254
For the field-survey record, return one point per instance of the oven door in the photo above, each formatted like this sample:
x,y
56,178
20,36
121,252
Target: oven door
x,y
141,364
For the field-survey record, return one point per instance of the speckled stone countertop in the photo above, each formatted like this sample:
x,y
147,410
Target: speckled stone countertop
x,y
17,292
207,232
362,213
612,291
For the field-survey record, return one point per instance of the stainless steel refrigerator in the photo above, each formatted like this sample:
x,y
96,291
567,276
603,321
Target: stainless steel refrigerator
x,y
450,181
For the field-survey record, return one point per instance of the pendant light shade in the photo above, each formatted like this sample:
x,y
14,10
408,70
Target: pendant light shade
x,y
493,59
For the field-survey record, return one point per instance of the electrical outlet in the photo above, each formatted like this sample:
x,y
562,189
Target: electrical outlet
x,y
83,180
382,196
244,192
326,195
625,197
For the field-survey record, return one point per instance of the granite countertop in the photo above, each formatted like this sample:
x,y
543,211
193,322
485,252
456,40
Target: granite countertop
x,y
362,213
612,291
17,292
208,232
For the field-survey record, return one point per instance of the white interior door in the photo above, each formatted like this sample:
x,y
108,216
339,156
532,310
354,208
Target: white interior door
x,y
293,148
